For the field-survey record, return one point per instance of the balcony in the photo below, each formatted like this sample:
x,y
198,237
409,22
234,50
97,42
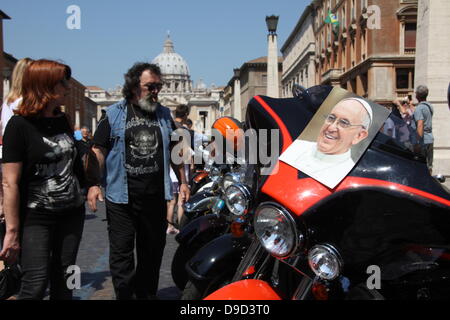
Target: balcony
x,y
331,74
410,51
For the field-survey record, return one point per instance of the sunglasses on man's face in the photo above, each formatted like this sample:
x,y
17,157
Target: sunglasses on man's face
x,y
154,86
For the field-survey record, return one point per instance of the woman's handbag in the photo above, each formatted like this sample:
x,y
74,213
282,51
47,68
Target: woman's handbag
x,y
9,281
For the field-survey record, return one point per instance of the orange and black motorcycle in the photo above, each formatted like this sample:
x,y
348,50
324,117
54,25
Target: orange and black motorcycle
x,y
382,233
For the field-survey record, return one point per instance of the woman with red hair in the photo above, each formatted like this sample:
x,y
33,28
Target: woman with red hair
x,y
42,172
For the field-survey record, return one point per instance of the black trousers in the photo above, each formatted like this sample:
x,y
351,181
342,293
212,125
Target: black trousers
x,y
50,243
141,221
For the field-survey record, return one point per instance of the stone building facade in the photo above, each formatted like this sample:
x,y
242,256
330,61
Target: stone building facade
x,y
203,101
298,55
432,69
248,81
372,50
3,16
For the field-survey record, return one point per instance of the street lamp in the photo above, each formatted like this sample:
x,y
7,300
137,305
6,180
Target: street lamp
x,y
237,72
272,57
272,22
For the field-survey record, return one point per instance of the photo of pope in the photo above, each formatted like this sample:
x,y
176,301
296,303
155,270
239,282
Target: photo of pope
x,y
329,158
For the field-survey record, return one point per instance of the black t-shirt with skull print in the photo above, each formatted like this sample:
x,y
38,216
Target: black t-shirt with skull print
x,y
144,160
50,162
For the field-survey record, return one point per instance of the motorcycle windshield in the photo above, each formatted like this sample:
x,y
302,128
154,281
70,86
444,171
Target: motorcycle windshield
x,y
400,134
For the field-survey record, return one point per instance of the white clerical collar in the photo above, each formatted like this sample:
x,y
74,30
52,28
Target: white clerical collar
x,y
332,157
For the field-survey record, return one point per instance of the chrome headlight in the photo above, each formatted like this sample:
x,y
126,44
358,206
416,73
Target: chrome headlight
x,y
229,179
325,261
215,174
237,198
276,230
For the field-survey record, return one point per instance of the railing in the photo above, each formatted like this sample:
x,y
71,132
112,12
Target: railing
x,y
410,50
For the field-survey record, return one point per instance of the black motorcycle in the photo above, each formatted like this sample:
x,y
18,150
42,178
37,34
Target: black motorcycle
x,y
206,216
214,264
382,233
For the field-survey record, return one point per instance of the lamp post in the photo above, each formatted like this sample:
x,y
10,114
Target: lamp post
x,y
237,112
272,57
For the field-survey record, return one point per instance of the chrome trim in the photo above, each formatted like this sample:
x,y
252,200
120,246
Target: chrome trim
x,y
236,178
191,207
303,289
252,256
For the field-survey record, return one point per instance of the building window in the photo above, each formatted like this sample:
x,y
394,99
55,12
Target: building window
x,y
352,52
404,78
353,10
344,25
364,44
264,79
364,83
410,35
363,4
344,59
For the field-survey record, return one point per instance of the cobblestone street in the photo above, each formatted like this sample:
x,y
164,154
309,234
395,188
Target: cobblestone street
x,y
93,260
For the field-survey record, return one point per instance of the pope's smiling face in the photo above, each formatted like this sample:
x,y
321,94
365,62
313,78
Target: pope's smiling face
x,y
334,139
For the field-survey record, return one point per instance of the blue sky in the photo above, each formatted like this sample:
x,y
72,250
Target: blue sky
x,y
213,36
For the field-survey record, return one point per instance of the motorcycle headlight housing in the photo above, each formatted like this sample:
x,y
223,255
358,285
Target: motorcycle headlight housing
x,y
325,261
237,198
229,179
215,174
276,230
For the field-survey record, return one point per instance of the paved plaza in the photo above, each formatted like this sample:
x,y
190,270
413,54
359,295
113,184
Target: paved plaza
x,y
93,261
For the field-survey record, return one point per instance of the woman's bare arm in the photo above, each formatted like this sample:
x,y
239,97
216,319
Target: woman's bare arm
x,y
11,202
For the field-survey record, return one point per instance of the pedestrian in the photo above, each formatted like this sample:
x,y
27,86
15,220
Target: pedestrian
x,y
14,96
389,128
181,114
406,109
10,104
171,204
181,118
42,179
197,140
85,144
133,144
423,120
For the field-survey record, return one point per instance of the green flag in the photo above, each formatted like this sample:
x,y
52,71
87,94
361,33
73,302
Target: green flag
x,y
331,18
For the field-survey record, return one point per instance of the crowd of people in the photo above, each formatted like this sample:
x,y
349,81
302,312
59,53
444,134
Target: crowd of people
x,y
46,163
415,128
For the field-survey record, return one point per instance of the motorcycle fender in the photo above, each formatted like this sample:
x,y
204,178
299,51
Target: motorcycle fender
x,y
223,254
245,290
202,229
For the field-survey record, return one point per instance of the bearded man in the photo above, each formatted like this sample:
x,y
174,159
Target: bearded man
x,y
132,147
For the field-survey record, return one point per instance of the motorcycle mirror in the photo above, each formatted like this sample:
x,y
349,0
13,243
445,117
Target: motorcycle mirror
x,y
440,177
299,91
